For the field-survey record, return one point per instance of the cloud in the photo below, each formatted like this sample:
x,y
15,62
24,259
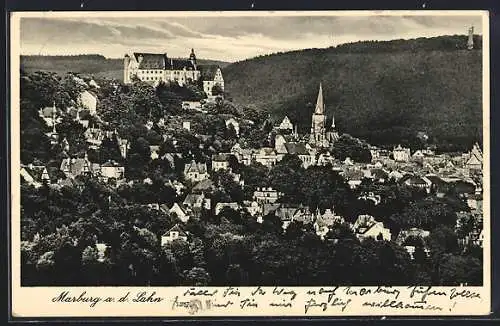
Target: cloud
x,y
224,38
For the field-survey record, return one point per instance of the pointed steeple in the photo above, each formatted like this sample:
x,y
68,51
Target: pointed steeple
x,y
333,122
320,106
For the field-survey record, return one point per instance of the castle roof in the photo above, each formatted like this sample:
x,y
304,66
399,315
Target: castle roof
x,y
179,64
151,60
161,61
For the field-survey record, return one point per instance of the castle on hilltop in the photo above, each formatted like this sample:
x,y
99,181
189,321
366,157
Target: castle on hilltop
x,y
154,68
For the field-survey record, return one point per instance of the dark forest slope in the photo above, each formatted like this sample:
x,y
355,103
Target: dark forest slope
x,y
384,92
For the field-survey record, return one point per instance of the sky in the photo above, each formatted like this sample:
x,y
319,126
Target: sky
x,y
227,38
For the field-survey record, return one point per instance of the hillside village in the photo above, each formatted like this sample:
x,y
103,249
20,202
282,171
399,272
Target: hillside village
x,y
163,180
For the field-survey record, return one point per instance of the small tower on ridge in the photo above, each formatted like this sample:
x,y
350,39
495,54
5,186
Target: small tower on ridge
x,y
470,39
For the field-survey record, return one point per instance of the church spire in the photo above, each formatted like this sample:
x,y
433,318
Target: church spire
x,y
320,107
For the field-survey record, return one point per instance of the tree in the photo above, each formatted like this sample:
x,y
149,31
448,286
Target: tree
x,y
456,270
347,146
74,133
217,90
145,101
109,150
287,176
255,175
427,214
138,157
325,188
196,276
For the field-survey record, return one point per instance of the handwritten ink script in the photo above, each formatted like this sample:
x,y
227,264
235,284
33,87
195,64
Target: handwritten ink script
x,y
282,300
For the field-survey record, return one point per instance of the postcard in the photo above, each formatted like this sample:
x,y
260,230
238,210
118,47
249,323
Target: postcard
x,y
225,164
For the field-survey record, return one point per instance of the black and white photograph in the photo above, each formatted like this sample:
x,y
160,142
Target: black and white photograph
x,y
251,150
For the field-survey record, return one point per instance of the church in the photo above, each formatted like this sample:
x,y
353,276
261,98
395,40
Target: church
x,y
156,67
321,135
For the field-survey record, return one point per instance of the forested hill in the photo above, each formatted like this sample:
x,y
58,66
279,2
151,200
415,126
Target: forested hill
x,y
86,64
385,92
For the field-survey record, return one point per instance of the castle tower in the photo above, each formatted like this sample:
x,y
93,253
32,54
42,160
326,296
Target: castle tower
x,y
470,40
126,74
318,130
192,58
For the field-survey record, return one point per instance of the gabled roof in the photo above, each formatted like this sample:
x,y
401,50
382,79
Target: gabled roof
x,y
36,171
75,166
176,228
192,199
415,180
194,167
151,60
379,173
183,209
204,185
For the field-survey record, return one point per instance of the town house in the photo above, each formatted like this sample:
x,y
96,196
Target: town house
x,y
195,172
266,195
175,233
367,227
220,161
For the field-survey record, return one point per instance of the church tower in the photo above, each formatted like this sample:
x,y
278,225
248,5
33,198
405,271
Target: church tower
x,y
318,128
470,40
